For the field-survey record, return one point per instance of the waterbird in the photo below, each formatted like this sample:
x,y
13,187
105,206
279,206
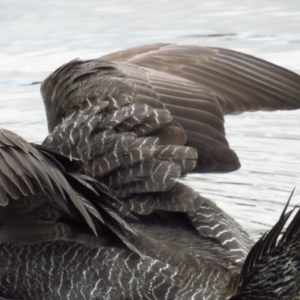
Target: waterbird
x,y
140,119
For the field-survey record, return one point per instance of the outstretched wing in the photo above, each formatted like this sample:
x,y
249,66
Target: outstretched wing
x,y
240,82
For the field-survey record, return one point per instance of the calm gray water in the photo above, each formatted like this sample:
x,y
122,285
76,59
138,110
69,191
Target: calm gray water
x,y
37,37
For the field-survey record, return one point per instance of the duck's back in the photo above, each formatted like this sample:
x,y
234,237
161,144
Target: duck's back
x,y
141,119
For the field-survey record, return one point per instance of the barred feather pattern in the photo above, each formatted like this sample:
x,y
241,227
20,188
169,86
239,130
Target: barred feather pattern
x,y
207,218
129,124
130,142
131,164
34,227
66,270
39,187
131,89
43,256
142,118
170,238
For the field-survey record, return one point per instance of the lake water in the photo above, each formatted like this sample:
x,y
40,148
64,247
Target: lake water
x,y
37,37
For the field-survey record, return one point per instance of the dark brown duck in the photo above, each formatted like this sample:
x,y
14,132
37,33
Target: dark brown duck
x,y
61,237
139,120
143,117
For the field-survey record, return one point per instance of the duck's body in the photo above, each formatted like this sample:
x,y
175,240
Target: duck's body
x,y
143,117
139,120
48,250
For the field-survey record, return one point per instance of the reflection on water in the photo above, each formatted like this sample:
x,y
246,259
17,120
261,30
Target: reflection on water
x,y
37,37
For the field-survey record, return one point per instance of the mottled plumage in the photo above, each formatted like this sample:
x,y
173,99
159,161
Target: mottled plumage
x,y
48,251
142,118
129,145
139,120
50,186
